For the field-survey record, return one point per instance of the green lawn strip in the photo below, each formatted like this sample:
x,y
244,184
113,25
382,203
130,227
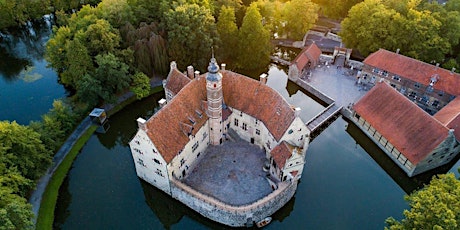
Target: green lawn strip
x,y
45,217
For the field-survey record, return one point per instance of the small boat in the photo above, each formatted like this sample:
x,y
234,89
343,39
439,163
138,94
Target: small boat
x,y
264,222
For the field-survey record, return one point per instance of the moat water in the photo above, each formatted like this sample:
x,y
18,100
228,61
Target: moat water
x,y
347,182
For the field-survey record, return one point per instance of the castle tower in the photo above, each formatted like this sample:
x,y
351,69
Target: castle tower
x,y
214,96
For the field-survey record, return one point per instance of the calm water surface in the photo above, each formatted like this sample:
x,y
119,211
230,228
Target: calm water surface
x,y
347,183
342,186
27,87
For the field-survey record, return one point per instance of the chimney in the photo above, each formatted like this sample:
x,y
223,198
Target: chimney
x,y
222,66
173,65
437,65
197,73
453,70
141,123
397,50
263,78
162,103
297,111
190,72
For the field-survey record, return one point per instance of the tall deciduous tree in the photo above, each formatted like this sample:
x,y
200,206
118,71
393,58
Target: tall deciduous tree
x,y
437,206
336,9
228,34
299,16
420,33
191,33
254,41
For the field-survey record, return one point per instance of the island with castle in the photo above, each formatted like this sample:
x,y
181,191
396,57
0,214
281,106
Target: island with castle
x,y
227,146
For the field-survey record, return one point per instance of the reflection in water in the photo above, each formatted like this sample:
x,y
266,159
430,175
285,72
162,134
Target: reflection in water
x,y
10,65
121,133
28,86
64,200
399,176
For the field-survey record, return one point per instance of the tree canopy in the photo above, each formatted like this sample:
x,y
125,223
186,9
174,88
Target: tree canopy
x,y
191,34
427,32
437,206
254,41
299,17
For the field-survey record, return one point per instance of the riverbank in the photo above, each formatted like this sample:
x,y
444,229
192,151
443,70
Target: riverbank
x,y
47,188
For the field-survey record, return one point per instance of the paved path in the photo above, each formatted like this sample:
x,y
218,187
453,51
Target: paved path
x,y
36,197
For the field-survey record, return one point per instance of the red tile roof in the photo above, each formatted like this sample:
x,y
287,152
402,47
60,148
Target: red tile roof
x,y
168,128
309,53
415,70
258,100
450,116
410,129
176,81
281,153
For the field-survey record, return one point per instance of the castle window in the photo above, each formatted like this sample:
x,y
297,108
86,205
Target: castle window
x,y
413,95
236,122
197,155
396,78
205,134
257,121
245,127
257,132
141,162
393,85
182,162
159,173
191,120
137,142
195,146
435,103
417,85
290,131
154,151
375,70
441,93
157,161
385,73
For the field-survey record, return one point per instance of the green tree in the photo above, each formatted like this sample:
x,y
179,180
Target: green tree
x,y
336,9
23,149
191,33
299,17
15,212
55,125
117,12
109,79
254,41
228,34
437,206
140,85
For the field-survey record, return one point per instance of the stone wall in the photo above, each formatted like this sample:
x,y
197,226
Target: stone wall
x,y
323,97
236,216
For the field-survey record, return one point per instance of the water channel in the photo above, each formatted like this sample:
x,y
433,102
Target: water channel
x,y
346,184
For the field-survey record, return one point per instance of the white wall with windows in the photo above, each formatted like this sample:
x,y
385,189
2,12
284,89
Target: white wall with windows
x,y
186,159
147,159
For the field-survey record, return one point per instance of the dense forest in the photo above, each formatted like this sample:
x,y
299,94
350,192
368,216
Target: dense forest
x,y
102,49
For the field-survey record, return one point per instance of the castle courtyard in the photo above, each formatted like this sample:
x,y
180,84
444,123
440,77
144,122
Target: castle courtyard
x,y
232,173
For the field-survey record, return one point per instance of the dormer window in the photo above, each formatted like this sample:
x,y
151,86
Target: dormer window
x,y
199,113
191,120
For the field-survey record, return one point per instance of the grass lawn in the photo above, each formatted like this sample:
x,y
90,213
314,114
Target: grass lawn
x,y
45,217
